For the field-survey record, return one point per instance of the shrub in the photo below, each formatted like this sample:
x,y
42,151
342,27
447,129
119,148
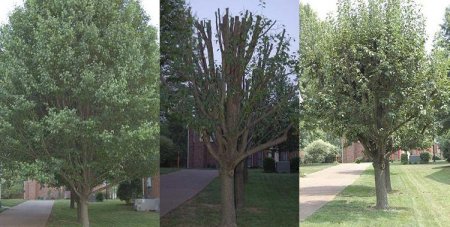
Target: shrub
x,y
404,159
358,160
295,164
448,159
425,157
318,151
99,197
269,165
330,158
129,190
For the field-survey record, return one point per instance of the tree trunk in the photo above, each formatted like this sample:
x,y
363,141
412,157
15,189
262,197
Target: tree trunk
x,y
245,171
77,201
239,187
380,184
84,211
72,199
227,196
388,176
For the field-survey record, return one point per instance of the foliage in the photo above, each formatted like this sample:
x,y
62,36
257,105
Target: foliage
x,y
425,157
269,165
99,197
295,164
319,150
404,159
364,74
79,91
168,150
129,190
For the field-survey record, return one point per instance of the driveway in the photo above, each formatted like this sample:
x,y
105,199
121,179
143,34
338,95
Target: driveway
x,y
32,213
319,188
180,186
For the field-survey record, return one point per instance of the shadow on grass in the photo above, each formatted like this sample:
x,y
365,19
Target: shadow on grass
x,y
343,211
441,176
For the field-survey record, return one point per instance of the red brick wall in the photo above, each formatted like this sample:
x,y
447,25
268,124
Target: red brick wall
x,y
34,190
199,157
352,152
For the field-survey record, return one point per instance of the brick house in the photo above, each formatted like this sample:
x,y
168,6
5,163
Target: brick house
x,y
354,151
199,157
33,190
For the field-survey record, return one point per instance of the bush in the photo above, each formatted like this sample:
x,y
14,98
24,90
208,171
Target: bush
x,y
404,159
448,159
99,197
295,164
436,157
318,151
425,157
129,190
269,165
358,160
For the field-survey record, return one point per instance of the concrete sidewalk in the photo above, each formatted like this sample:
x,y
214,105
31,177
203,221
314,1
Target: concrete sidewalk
x,y
32,213
180,186
317,189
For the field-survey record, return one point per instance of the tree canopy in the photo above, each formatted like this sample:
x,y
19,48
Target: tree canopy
x,y
79,90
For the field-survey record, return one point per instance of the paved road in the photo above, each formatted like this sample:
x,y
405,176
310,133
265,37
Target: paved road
x,y
178,187
317,189
32,213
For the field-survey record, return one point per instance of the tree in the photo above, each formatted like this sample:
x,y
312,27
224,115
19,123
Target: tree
x,y
230,95
372,79
176,31
79,91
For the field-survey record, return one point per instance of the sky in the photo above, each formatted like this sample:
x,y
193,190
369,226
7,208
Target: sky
x,y
285,14
433,11
151,7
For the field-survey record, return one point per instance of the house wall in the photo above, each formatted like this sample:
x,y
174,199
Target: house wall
x,y
352,152
34,190
198,155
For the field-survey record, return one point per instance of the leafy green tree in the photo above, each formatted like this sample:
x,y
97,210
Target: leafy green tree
x,y
371,80
79,91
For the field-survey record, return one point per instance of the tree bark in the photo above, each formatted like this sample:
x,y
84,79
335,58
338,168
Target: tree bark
x,y
77,200
388,176
84,214
239,185
72,199
227,196
245,171
380,184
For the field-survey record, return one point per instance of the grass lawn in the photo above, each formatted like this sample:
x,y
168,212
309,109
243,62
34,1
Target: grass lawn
x,y
421,197
108,213
271,200
10,203
314,167
164,170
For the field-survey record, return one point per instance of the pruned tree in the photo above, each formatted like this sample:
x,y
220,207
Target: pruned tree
x,y
241,92
79,91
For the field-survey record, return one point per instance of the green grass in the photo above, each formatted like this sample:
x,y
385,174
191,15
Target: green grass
x,y
10,203
108,213
164,170
421,197
314,167
271,200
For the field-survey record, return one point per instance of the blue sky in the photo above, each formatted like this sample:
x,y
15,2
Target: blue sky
x,y
284,12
